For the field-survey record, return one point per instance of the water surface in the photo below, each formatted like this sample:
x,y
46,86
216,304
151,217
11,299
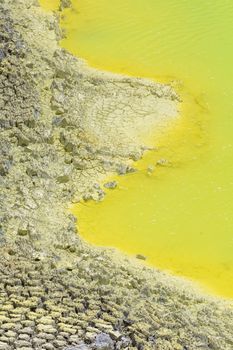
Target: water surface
x,y
50,4
180,216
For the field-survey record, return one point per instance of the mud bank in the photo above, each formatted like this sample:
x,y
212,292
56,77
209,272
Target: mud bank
x,y
64,127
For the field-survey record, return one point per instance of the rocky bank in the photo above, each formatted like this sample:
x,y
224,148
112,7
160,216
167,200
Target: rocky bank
x,y
64,127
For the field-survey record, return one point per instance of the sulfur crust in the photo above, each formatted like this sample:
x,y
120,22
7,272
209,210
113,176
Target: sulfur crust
x,y
64,128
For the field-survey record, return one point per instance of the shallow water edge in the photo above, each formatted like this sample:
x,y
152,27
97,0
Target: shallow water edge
x,y
184,207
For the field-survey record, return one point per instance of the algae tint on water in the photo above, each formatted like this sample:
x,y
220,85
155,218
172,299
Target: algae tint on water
x,y
180,214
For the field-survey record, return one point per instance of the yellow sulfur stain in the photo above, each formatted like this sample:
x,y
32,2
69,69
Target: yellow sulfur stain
x,y
178,213
50,4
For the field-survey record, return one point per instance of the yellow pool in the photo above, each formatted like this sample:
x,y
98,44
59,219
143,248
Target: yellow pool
x,y
180,216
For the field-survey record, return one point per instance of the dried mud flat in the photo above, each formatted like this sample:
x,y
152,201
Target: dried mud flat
x,y
64,127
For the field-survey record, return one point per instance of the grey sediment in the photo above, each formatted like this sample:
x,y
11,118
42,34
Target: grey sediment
x,y
64,128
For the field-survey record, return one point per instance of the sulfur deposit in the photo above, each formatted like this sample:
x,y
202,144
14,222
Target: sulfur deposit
x,y
64,128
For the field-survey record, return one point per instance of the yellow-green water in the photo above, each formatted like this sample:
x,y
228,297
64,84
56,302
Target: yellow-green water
x,y
180,217
50,4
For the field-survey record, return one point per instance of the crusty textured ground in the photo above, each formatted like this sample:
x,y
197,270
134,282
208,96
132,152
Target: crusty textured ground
x,y
64,126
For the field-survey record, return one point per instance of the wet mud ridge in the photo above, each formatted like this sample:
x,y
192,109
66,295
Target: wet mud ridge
x,y
64,127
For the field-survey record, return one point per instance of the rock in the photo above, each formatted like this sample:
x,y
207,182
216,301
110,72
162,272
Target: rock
x,y
69,147
101,195
4,346
24,337
2,54
7,326
68,159
135,156
59,121
90,336
22,343
125,342
111,184
65,4
98,195
38,342
141,257
150,169
60,343
11,251
123,169
28,323
10,334
72,249
48,346
116,335
63,179
27,330
46,329
23,229
78,347
29,64
31,172
5,167
22,140
58,98
103,342
66,328
46,320
74,338
162,162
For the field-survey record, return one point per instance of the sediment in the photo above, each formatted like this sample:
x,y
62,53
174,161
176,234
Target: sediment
x,y
64,128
